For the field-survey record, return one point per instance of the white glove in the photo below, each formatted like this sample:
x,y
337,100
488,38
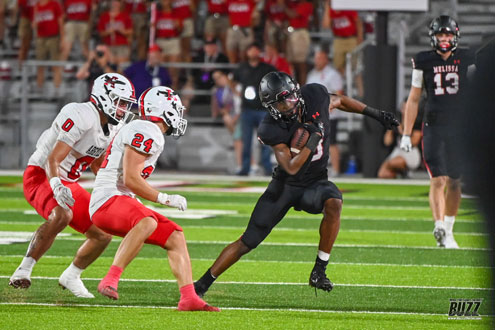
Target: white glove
x,y
176,201
61,193
405,143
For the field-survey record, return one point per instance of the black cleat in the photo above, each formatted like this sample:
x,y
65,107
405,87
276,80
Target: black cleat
x,y
200,289
319,280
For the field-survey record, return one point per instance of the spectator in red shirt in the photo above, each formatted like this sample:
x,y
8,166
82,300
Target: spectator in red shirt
x,y
168,29
77,25
347,30
299,13
184,9
115,28
25,29
217,21
48,22
140,24
273,57
276,24
242,15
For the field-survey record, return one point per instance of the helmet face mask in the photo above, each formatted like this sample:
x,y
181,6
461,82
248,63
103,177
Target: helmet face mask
x,y
287,107
113,94
121,107
444,25
163,104
281,96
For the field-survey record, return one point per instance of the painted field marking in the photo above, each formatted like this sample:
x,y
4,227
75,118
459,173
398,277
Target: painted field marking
x,y
288,262
305,217
299,310
280,283
118,239
287,229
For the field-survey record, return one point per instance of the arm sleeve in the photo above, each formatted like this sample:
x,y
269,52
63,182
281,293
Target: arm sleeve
x,y
72,124
269,133
417,62
417,78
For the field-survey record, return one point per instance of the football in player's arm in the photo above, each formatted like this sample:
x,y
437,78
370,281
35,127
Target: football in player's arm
x,y
300,181
78,138
443,72
114,208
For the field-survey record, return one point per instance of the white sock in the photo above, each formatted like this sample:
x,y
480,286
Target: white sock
x,y
28,263
449,223
438,224
323,255
74,270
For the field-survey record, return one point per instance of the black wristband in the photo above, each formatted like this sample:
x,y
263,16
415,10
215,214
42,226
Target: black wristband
x,y
313,141
371,112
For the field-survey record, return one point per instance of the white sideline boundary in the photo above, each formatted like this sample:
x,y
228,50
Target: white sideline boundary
x,y
299,310
388,286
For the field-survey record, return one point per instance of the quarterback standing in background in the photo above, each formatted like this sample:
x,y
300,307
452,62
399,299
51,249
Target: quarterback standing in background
x,y
443,73
300,180
78,138
114,208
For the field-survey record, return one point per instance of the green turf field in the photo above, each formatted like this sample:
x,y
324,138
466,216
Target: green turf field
x,y
387,270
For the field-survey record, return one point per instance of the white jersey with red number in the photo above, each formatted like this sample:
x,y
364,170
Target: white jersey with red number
x,y
79,126
145,137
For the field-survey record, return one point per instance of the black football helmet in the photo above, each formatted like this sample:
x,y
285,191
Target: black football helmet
x,y
445,24
281,95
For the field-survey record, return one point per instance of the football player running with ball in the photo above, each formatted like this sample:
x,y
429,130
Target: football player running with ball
x,y
78,138
443,73
300,181
114,208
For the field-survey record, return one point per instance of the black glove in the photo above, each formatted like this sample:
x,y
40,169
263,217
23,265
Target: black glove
x,y
387,119
316,134
312,127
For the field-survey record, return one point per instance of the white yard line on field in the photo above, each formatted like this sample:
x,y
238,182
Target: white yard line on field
x,y
281,283
287,262
239,228
118,239
298,310
305,217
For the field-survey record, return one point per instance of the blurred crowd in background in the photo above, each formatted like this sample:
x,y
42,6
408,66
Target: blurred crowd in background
x,y
206,49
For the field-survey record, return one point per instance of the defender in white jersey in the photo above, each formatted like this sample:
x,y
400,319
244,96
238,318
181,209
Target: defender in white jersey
x,y
77,139
114,208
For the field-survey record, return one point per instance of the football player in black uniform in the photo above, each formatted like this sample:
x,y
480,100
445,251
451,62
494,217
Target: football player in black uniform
x,y
443,73
300,181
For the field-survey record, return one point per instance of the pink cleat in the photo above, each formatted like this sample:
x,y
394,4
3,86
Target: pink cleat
x,y
196,305
108,291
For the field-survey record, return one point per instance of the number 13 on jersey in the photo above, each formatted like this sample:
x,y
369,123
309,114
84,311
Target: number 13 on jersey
x,y
451,81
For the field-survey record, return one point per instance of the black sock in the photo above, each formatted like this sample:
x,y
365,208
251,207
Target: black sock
x,y
320,264
207,279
